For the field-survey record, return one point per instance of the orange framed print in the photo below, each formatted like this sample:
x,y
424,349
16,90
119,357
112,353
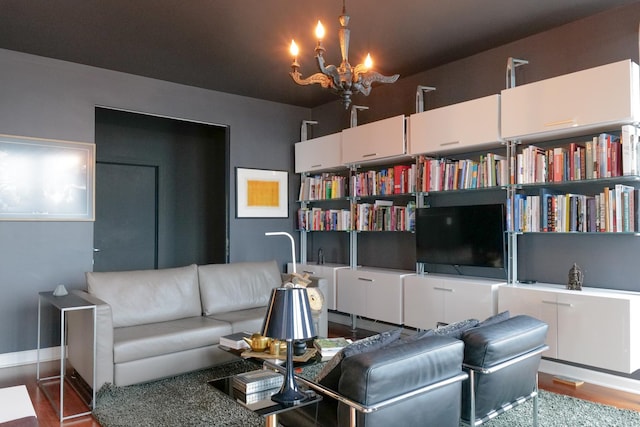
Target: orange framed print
x,y
46,179
261,193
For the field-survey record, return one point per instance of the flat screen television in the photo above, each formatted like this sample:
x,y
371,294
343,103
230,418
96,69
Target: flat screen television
x,y
461,235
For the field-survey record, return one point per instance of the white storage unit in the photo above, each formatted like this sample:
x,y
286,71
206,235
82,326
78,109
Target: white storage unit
x,y
383,139
430,300
371,292
595,99
466,126
323,153
594,327
326,271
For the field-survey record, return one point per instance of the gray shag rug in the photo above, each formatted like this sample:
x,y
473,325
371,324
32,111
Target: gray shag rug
x,y
187,400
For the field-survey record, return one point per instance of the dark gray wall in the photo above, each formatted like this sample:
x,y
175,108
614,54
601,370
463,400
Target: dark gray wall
x,y
55,99
192,180
608,260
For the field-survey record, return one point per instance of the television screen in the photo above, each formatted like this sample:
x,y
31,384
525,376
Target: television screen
x,y
461,235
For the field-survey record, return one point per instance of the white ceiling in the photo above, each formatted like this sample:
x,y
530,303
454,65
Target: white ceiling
x,y
241,46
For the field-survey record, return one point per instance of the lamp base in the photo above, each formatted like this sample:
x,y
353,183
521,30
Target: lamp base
x,y
289,396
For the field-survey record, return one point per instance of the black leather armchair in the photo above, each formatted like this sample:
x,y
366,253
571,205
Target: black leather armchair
x,y
408,383
502,360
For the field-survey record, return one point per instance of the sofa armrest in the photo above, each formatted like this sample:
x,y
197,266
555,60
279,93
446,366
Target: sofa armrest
x,y
80,342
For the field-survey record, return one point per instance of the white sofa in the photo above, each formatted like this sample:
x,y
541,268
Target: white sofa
x,y
158,323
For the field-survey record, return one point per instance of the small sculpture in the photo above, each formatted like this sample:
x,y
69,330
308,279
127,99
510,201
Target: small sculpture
x,y
575,278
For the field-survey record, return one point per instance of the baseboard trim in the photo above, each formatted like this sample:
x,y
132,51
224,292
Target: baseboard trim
x,y
28,357
628,385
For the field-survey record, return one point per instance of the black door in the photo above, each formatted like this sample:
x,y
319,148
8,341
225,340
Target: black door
x,y
125,231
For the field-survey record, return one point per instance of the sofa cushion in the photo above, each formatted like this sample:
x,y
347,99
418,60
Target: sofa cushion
x,y
148,296
249,320
237,286
142,341
330,374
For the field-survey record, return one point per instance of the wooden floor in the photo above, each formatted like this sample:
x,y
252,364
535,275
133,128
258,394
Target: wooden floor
x,y
47,417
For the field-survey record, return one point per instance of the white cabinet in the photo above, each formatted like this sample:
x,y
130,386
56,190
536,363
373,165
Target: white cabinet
x,y
370,292
381,139
322,153
592,100
465,126
326,271
435,299
594,327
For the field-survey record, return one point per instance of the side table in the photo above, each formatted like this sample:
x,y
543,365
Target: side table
x,y
267,407
64,304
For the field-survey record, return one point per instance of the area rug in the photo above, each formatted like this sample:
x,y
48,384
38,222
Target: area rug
x,y
184,400
187,400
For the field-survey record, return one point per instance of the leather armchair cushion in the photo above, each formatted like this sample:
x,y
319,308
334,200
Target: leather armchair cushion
x,y
487,346
375,376
330,374
147,296
237,286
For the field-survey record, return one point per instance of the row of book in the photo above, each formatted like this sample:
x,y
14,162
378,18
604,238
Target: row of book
x,y
323,187
399,179
445,174
383,215
612,210
605,156
317,219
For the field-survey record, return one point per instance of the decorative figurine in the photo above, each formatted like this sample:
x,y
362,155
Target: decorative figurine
x,y
575,278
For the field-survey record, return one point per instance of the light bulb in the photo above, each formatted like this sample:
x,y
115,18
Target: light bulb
x,y
319,31
294,49
368,62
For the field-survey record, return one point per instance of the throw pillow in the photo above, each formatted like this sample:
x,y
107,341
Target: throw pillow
x,y
455,330
496,318
414,337
330,374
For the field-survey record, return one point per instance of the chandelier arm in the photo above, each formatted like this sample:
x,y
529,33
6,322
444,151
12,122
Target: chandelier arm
x,y
317,78
366,79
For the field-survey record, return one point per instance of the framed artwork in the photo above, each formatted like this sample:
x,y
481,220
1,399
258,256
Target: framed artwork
x,y
46,179
261,193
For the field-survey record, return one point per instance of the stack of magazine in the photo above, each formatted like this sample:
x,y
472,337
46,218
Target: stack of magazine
x,y
329,347
254,386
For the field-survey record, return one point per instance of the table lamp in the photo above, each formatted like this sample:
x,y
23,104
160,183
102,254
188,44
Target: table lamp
x,y
289,318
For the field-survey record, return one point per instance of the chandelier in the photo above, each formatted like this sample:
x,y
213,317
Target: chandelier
x,y
344,80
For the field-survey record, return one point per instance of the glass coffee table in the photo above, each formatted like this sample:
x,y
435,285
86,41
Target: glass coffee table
x,y
265,406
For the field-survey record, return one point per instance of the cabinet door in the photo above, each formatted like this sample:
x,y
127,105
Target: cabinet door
x,y
535,303
468,299
589,100
376,140
594,331
319,153
351,292
384,296
423,307
467,125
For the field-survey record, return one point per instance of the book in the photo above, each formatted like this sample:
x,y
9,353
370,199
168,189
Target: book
x,y
329,347
235,341
250,398
255,381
